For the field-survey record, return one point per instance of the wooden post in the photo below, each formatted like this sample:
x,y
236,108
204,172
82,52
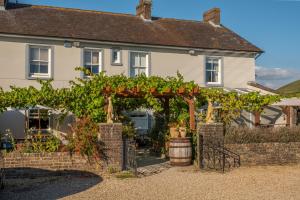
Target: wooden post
x,y
287,111
191,104
257,118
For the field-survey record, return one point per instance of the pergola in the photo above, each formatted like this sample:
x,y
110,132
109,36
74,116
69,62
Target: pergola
x,y
164,97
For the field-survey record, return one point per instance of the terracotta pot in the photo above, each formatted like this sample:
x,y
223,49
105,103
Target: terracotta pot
x,y
174,133
181,90
182,132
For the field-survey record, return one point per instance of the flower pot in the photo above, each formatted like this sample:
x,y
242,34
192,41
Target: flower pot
x,y
174,133
182,132
181,90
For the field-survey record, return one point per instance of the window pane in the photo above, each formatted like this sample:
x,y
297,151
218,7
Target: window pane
x,y
43,67
95,56
143,60
34,54
215,77
116,56
208,66
44,54
95,69
142,71
208,76
34,67
87,57
135,60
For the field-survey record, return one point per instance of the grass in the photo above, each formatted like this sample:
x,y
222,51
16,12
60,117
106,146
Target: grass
x,y
291,89
125,175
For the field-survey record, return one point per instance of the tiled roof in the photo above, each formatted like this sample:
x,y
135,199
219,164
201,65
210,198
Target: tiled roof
x,y
124,28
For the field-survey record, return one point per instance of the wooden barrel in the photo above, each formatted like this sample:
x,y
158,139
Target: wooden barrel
x,y
180,151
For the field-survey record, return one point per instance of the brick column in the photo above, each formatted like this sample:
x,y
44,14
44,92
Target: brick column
x,y
111,136
211,134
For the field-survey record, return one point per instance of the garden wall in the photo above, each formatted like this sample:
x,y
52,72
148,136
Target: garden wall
x,y
267,153
110,136
17,163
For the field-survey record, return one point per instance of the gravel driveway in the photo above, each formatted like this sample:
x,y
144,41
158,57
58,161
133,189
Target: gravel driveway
x,y
272,182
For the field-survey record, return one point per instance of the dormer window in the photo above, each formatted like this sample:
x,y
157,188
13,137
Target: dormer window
x,y
116,56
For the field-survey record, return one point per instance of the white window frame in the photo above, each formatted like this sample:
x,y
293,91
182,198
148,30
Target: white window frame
x,y
50,62
100,59
112,57
220,77
148,57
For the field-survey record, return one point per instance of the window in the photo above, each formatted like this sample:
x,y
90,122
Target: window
x,y
116,57
92,60
213,70
139,63
39,120
39,61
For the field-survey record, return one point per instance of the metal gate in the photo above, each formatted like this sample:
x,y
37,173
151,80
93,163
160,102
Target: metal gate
x,y
129,159
2,175
211,151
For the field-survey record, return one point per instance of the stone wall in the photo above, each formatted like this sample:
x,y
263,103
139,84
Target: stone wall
x,y
267,153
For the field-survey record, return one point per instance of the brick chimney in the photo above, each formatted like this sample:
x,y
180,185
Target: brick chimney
x,y
3,4
144,9
213,15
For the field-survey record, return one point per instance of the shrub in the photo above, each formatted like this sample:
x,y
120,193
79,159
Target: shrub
x,y
84,139
244,135
39,143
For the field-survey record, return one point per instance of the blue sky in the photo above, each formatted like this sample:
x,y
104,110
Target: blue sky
x,y
273,25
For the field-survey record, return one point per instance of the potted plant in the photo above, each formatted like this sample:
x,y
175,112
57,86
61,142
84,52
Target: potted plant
x,y
182,119
174,131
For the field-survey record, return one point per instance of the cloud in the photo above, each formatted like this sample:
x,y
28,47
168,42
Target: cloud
x,y
276,77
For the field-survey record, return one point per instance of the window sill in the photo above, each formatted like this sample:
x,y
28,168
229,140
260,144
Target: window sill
x,y
39,77
211,84
117,64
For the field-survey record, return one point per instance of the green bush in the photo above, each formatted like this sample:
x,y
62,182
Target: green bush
x,y
245,135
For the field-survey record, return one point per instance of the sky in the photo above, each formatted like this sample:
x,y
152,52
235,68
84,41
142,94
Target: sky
x,y
272,25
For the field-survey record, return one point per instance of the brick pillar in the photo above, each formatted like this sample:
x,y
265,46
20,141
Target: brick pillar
x,y
111,136
212,134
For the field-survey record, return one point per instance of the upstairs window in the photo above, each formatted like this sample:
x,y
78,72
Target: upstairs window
x,y
213,70
116,56
139,63
39,62
92,60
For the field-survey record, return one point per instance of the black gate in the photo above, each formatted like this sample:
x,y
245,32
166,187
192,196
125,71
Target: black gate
x,y
129,158
211,151
2,175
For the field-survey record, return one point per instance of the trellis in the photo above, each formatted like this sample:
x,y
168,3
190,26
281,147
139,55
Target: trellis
x,y
189,98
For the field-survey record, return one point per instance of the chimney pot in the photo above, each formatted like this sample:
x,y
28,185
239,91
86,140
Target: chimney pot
x,y
144,9
213,15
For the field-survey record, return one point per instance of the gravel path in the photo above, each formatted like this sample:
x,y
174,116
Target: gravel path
x,y
272,182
